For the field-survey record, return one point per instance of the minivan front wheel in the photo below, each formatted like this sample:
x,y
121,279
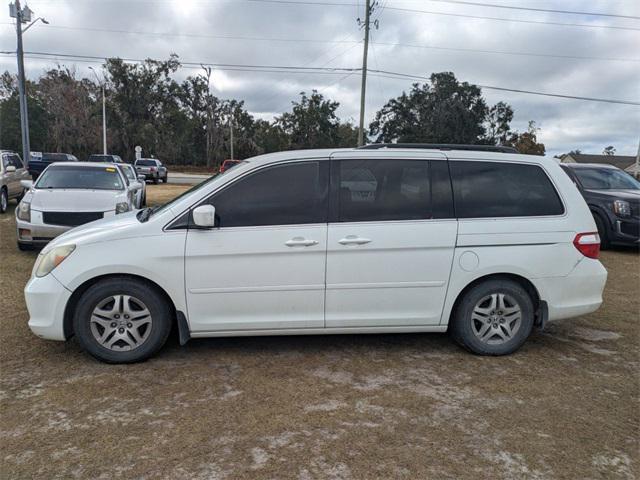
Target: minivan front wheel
x,y
4,200
493,318
122,320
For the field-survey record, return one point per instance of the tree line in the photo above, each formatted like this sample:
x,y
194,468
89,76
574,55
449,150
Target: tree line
x,y
186,124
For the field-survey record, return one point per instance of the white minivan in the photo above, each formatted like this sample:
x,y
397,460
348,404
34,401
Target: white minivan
x,y
480,242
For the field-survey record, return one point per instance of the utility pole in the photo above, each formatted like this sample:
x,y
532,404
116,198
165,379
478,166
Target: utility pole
x,y
231,132
23,15
637,172
104,114
363,88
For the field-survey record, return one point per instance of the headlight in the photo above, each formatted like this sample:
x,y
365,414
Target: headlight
x,y
52,259
24,211
122,207
622,208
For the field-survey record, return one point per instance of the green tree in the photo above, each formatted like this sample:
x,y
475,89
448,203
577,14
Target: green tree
x,y
441,111
10,133
312,123
498,124
144,107
610,150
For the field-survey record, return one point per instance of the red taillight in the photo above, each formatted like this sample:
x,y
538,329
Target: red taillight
x,y
588,244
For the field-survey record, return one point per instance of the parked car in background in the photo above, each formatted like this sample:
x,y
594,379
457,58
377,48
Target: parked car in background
x,y
131,176
152,169
613,196
482,243
227,164
68,194
99,157
12,172
38,163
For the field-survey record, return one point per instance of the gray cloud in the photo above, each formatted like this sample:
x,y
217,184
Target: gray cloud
x,y
565,124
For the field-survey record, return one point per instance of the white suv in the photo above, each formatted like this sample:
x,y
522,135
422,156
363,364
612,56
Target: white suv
x,y
483,244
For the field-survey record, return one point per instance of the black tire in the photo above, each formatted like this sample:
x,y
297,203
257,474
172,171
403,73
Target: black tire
x,y
602,232
155,180
25,247
4,200
160,312
165,178
463,322
143,203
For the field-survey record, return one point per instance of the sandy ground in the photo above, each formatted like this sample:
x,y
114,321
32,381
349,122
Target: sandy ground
x,y
379,406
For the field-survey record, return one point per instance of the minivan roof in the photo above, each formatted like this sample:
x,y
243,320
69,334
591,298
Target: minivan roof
x,y
363,153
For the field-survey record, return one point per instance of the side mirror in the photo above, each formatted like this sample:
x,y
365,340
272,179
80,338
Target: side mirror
x,y
10,169
134,187
204,216
142,178
26,184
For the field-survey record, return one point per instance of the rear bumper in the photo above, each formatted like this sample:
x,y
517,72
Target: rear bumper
x,y
46,300
579,293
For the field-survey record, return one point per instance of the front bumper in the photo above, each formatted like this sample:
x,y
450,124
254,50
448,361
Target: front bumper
x,y
38,234
46,300
626,231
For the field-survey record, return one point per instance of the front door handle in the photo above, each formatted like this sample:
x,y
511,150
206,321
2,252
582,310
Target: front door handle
x,y
353,240
300,242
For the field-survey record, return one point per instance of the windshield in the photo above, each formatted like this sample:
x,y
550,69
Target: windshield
x,y
146,163
606,179
70,177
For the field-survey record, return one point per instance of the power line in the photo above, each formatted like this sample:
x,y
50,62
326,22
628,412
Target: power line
x,y
501,19
532,9
411,10
344,41
330,70
390,74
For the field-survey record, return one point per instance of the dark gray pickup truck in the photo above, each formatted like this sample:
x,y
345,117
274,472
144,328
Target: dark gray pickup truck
x,y
613,197
38,163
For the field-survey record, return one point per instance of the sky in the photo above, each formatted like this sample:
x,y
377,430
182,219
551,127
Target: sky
x,y
325,33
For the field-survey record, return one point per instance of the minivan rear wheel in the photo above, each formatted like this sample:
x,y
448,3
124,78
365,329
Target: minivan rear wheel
x,y
493,318
122,320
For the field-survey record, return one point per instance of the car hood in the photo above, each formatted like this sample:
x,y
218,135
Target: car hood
x,y
75,200
105,229
632,196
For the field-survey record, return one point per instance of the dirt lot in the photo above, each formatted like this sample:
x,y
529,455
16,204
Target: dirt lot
x,y
380,406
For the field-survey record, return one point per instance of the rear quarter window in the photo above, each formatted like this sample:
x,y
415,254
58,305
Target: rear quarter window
x,y
499,189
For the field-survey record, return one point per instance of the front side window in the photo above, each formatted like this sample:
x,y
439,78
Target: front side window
x,y
71,177
378,190
12,160
287,194
128,171
495,189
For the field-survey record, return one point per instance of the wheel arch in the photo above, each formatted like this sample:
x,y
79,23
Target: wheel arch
x,y
81,289
538,303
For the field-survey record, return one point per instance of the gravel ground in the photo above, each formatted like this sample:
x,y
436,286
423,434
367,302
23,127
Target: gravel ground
x,y
359,406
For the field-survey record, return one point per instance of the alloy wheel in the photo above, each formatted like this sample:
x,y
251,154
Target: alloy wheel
x,y
121,323
496,318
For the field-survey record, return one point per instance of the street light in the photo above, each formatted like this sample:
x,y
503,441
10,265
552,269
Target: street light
x,y
104,114
23,15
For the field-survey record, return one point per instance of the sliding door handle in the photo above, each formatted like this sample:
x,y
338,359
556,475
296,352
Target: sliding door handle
x,y
300,242
353,240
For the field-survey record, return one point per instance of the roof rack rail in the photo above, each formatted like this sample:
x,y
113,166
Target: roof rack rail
x,y
442,146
